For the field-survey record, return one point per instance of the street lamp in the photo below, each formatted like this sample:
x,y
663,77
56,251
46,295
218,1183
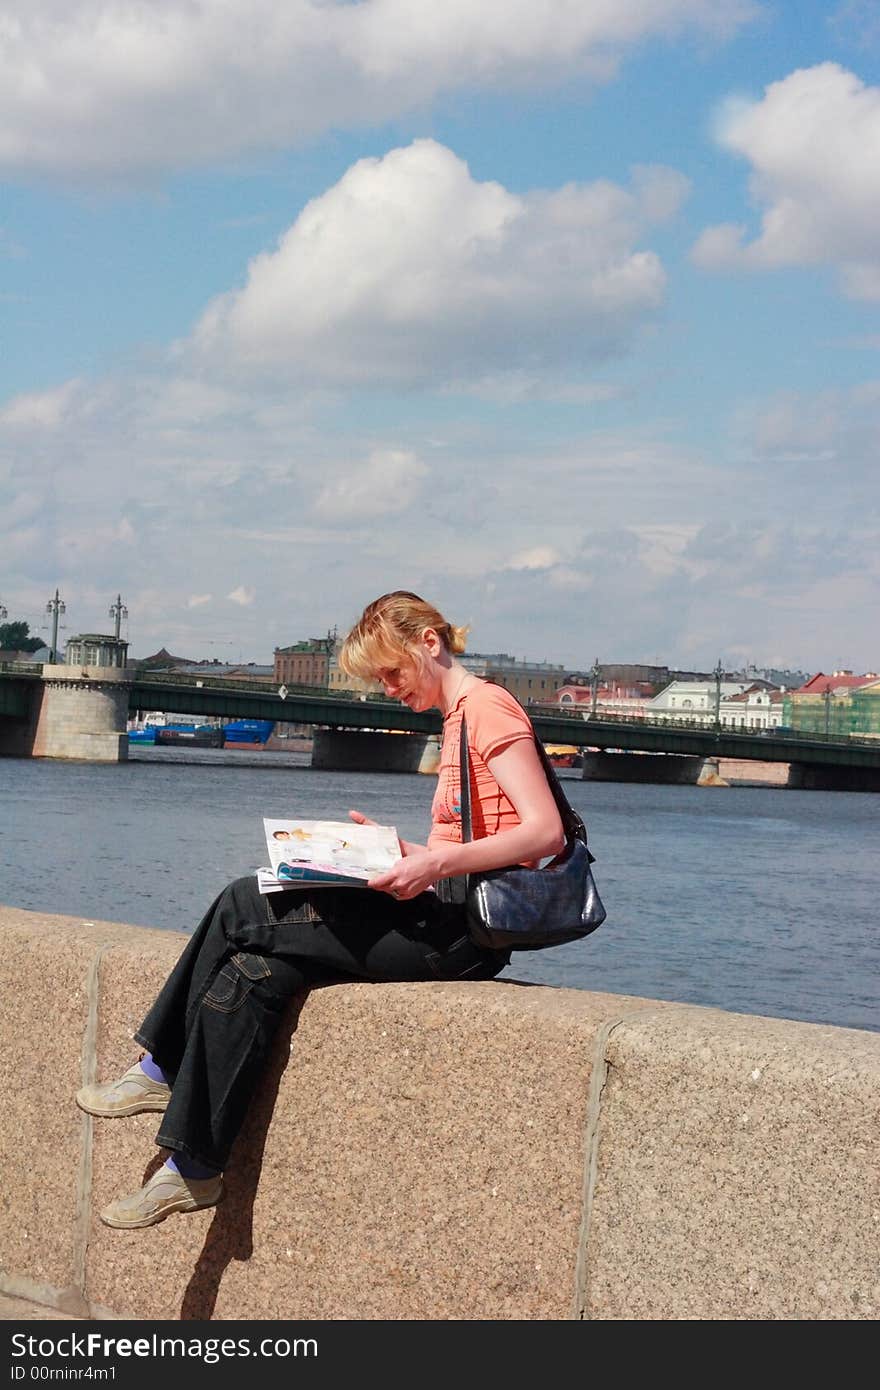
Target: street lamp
x,y
118,611
718,673
55,607
595,673
827,710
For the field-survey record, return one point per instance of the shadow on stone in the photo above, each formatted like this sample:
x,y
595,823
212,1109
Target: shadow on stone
x,y
230,1236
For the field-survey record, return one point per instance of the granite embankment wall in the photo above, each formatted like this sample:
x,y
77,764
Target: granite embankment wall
x,y
749,772
445,1151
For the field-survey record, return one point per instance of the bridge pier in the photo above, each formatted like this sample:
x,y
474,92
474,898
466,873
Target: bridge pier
x,y
77,712
818,778
679,769
355,750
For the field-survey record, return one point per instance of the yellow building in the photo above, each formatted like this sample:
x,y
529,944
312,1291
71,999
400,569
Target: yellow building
x,y
527,680
305,663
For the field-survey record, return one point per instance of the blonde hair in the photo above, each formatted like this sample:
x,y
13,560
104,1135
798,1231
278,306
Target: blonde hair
x,y
392,627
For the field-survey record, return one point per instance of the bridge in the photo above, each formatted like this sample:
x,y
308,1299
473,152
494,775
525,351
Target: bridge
x,y
310,706
821,762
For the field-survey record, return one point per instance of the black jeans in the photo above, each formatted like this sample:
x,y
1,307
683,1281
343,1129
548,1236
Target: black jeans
x,y
212,1026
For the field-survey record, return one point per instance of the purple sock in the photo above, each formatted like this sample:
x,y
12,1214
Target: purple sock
x,y
190,1167
149,1068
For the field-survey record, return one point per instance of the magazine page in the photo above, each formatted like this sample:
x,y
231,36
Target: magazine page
x,y
328,852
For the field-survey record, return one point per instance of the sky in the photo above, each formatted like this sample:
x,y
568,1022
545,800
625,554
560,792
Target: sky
x,y
562,313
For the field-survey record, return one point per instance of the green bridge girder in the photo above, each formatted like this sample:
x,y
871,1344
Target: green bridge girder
x,y
215,700
15,698
339,712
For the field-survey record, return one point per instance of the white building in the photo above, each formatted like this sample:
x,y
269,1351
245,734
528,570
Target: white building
x,y
682,701
755,708
743,705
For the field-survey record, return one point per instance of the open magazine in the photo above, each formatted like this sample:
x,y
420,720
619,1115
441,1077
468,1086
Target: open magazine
x,y
305,853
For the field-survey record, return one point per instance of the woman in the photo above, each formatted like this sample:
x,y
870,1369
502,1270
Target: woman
x,y
209,1032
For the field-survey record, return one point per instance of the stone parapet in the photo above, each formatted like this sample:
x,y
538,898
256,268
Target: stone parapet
x,y
445,1151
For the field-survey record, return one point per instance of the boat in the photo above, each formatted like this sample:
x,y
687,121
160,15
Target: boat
x,y
564,754
191,735
187,729
145,731
247,733
142,735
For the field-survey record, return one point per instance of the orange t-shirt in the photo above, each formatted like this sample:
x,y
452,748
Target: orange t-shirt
x,y
494,720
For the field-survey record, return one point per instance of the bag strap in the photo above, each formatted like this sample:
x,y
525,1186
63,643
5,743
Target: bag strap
x,y
571,822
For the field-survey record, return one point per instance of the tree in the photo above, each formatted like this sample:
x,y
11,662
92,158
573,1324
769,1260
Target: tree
x,y
14,638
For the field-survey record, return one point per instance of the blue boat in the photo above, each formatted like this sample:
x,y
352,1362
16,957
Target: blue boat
x,y
247,733
142,735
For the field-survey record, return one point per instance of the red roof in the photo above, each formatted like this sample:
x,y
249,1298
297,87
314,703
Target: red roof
x,y
842,680
773,696
577,694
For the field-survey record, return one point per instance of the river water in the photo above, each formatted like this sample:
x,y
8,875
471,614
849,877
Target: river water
x,y
751,899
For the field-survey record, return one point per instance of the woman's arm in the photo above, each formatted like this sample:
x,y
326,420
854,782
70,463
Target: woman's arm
x,y
518,771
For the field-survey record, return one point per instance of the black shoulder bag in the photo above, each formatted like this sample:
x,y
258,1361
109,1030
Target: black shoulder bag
x,y
525,909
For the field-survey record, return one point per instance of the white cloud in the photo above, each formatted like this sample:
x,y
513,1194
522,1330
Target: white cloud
x,y
623,543
386,485
813,142
110,88
517,386
540,557
243,596
663,548
44,410
825,434
410,271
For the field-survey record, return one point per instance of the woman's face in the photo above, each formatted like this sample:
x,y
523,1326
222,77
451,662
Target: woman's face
x,y
411,682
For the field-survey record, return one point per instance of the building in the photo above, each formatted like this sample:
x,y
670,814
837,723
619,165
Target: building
x,y
339,682
835,705
614,699
757,707
229,671
305,663
626,673
784,679
531,682
162,661
691,701
96,649
865,704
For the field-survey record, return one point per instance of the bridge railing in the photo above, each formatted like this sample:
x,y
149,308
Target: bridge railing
x,y
538,708
257,686
535,707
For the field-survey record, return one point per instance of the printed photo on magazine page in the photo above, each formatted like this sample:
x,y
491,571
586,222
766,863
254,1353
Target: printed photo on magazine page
x,y
310,852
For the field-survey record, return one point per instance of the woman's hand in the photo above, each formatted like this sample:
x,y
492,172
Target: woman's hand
x,y
411,875
360,819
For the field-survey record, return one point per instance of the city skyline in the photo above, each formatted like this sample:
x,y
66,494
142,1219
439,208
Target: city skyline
x,y
607,669
564,316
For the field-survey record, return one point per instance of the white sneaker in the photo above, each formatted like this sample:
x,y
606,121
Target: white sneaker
x,y
166,1192
132,1093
